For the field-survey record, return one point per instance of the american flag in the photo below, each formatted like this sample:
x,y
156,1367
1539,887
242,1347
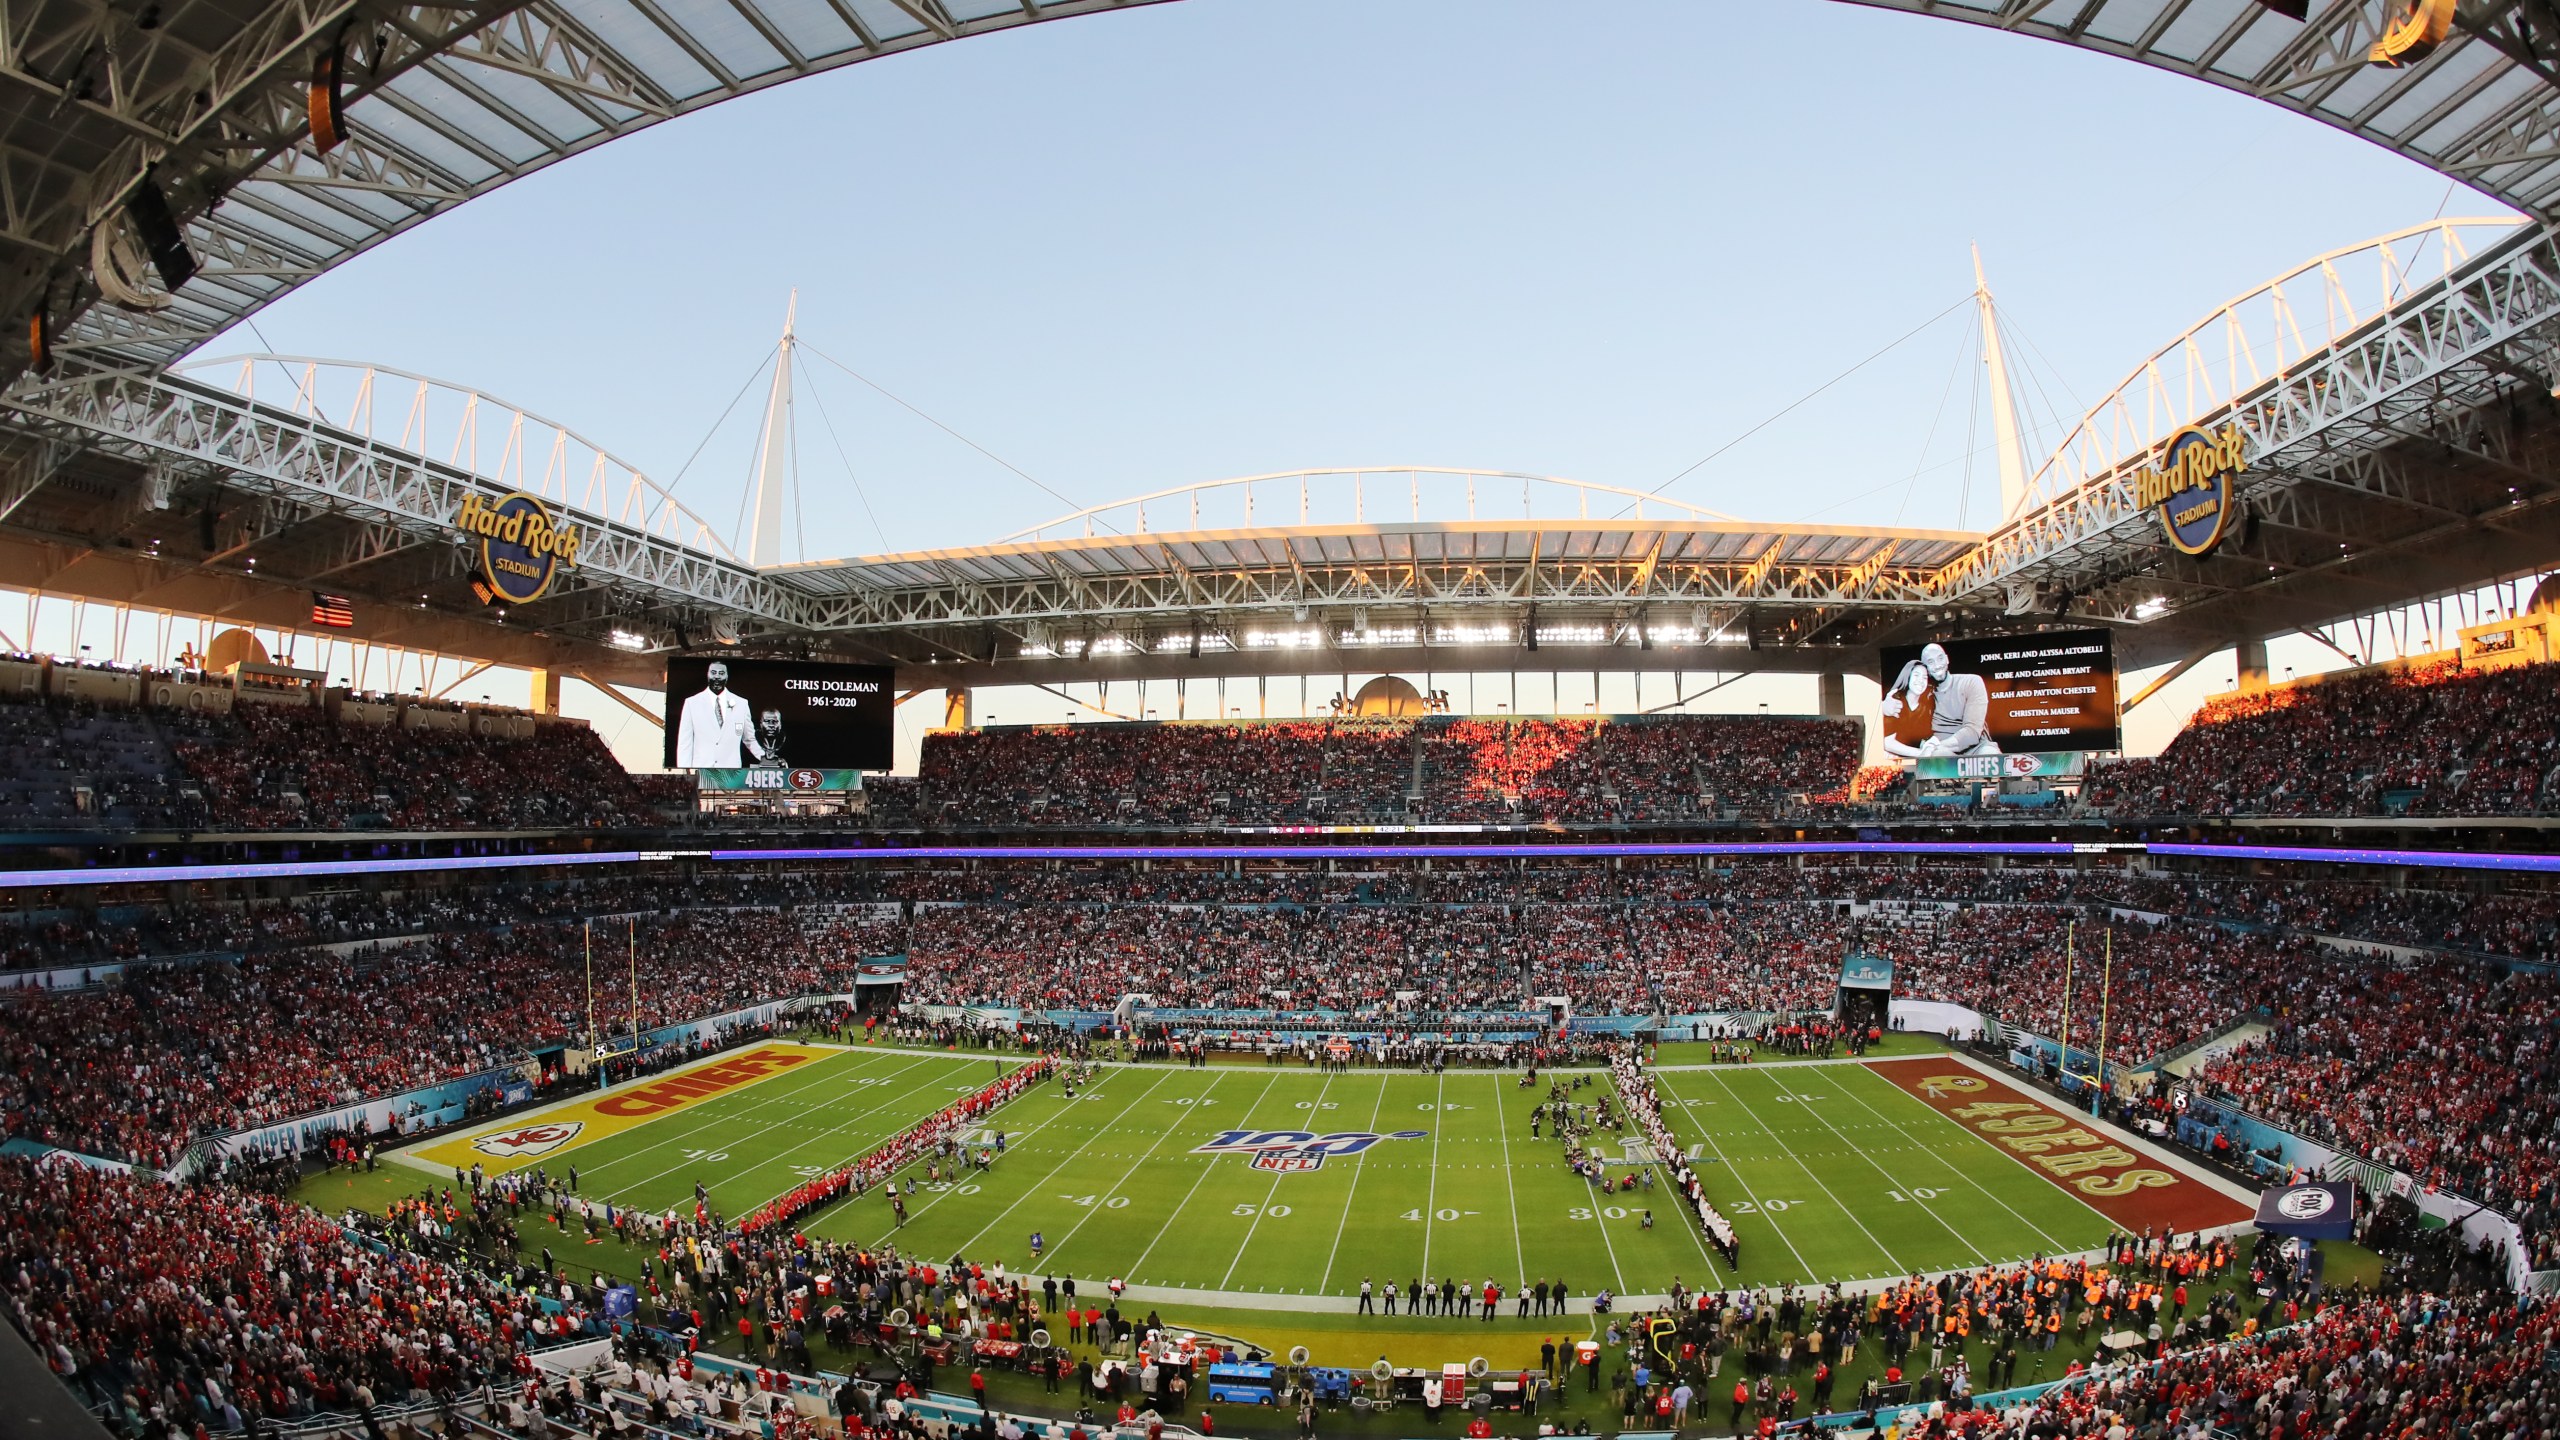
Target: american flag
x,y
332,611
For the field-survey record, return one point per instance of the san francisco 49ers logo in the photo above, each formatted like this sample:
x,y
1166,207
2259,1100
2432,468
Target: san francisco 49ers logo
x,y
808,779
531,1140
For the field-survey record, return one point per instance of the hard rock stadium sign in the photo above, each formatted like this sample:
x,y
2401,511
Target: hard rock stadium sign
x,y
521,547
2191,486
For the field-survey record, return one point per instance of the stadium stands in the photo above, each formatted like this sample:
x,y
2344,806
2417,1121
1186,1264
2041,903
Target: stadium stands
x,y
139,1068
74,765
199,1306
2414,1364
2440,1069
1644,770
271,1006
2431,740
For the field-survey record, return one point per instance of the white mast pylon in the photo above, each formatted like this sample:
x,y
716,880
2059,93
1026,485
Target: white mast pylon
x,y
2004,406
773,453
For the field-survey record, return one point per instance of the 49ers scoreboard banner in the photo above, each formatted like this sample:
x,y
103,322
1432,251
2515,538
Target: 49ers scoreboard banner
x,y
530,1139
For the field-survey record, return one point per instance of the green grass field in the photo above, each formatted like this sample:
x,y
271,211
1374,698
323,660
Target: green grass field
x,y
756,1142
1828,1172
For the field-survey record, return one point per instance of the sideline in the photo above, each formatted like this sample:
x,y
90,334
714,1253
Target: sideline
x,y
1624,1305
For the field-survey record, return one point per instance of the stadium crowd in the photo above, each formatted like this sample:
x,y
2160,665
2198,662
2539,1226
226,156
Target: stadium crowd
x,y
77,928
2415,1364
2431,740
2425,1068
138,1068
268,767
184,1309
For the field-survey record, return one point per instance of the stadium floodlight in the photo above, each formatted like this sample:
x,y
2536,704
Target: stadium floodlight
x,y
2151,608
627,640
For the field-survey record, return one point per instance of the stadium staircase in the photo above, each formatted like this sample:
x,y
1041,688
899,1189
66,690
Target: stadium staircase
x,y
2186,1059
1413,776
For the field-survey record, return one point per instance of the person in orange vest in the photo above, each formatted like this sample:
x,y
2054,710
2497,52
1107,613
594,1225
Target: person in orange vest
x,y
1741,1401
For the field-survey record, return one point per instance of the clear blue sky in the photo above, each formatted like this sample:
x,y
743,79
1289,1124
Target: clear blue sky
x,y
1220,237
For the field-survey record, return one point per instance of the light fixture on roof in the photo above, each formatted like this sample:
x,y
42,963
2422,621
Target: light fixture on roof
x,y
2151,608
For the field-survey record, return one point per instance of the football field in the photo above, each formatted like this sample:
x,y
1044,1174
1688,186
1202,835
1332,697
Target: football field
x,y
1249,1180
773,1125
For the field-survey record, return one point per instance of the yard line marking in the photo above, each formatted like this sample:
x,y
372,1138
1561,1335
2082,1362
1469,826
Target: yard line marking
x,y
1312,1112
1888,1255
1745,1186
1039,1185
1607,1244
1212,1164
2020,1161
863,1149
1502,1126
1359,1167
1064,1110
1695,1238
801,1084
1050,1259
742,1136
1971,1247
1431,1185
1938,1155
712,1115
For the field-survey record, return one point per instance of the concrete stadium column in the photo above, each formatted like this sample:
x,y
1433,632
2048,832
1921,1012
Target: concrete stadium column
x,y
2251,656
955,708
1835,693
546,692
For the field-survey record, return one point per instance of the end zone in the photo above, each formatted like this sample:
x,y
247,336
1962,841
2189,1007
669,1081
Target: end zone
x,y
2134,1185
524,1140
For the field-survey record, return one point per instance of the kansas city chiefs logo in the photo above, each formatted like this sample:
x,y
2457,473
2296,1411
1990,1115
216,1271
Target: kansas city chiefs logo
x,y
531,1140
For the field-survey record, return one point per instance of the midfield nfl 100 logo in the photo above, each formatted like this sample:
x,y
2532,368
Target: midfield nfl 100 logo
x,y
1290,1152
522,549
2191,486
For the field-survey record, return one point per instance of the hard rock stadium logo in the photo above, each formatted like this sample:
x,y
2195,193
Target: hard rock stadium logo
x,y
530,1140
2191,486
521,547
1289,1152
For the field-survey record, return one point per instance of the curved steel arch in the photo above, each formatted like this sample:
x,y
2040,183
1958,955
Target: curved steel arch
x,y
452,101
2258,336
534,453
